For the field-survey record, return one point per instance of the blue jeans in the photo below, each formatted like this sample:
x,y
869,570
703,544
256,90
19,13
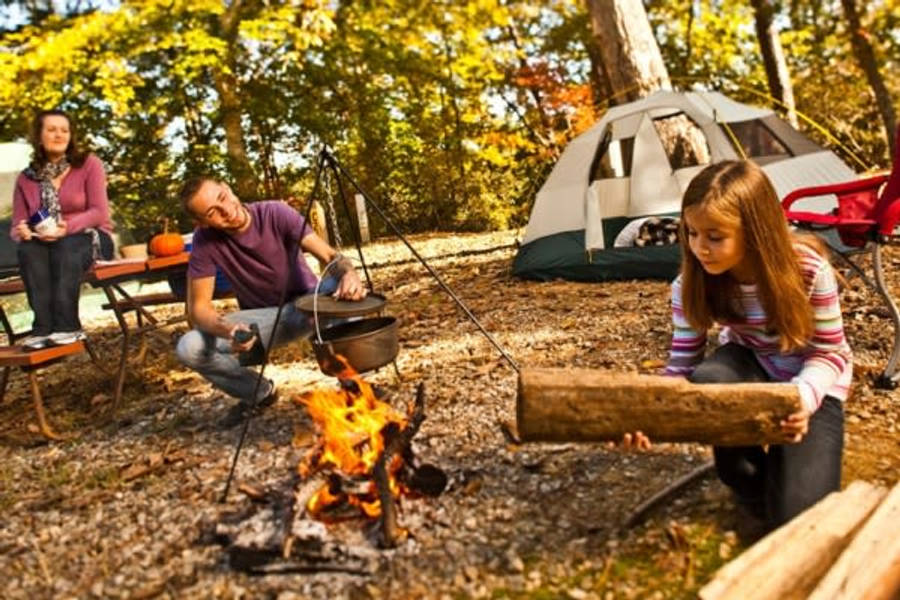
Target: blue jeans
x,y
52,273
212,357
788,478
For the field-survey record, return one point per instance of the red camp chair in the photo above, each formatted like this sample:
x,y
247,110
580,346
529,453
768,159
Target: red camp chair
x,y
863,222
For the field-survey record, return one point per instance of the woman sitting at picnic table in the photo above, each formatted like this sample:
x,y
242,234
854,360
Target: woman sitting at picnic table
x,y
61,223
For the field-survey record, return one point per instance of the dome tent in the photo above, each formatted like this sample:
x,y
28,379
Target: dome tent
x,y
619,170
14,156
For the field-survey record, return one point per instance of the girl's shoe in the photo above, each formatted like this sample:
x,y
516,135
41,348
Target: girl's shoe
x,y
66,337
36,342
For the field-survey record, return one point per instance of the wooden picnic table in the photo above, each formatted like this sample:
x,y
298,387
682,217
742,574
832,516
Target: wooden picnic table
x,y
110,276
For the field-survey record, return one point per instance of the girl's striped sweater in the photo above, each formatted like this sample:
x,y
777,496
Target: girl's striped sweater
x,y
823,367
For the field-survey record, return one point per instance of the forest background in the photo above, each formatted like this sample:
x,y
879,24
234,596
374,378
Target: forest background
x,y
450,113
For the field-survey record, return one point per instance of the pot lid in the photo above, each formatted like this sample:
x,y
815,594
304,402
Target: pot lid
x,y
327,306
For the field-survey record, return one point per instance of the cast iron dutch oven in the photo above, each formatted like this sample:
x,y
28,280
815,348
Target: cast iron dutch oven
x,y
366,344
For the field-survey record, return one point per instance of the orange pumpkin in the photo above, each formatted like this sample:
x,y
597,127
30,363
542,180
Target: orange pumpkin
x,y
165,243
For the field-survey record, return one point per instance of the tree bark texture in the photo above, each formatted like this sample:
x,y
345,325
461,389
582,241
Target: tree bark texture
x,y
789,562
603,91
865,56
584,405
630,62
630,56
227,86
773,58
870,566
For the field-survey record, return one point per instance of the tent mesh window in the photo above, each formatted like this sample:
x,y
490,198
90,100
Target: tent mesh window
x,y
613,158
684,142
758,142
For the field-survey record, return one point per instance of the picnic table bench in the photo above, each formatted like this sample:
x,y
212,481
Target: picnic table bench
x,y
110,277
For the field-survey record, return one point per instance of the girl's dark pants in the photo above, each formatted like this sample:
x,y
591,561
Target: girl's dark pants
x,y
789,478
52,272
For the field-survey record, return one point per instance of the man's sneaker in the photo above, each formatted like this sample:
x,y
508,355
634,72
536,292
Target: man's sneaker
x,y
36,342
66,337
243,409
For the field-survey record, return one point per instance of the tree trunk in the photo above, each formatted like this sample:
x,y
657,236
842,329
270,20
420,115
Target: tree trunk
x,y
227,86
630,55
633,67
773,58
870,566
603,91
865,56
789,562
584,405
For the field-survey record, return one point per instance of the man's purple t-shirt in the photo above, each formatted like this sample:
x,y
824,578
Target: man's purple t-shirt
x,y
256,261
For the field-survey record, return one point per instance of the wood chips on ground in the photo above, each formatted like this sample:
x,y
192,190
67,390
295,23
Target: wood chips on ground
x,y
127,508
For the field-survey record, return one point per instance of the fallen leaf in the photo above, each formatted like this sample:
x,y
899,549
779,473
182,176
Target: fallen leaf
x,y
653,363
100,398
154,459
303,438
252,491
134,470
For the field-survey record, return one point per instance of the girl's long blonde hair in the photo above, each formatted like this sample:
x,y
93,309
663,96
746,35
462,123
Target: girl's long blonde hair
x,y
738,194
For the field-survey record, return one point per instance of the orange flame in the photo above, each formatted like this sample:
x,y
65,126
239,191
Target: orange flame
x,y
350,420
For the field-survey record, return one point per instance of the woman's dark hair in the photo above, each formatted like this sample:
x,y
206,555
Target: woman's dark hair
x,y
39,158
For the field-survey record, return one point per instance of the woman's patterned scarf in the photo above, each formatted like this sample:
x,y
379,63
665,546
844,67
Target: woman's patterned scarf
x,y
50,195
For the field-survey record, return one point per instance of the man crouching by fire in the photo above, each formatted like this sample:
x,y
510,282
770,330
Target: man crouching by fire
x,y
256,247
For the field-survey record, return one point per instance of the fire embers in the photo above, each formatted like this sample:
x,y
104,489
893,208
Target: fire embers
x,y
364,455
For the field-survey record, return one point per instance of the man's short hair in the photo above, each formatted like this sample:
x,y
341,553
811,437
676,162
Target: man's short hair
x,y
190,188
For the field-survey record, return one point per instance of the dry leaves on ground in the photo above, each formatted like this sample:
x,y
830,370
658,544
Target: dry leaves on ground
x,y
126,509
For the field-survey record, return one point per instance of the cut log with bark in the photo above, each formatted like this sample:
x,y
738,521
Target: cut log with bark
x,y
583,405
789,562
395,441
869,567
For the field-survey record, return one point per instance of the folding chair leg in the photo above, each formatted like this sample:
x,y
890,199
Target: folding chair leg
x,y
890,376
39,408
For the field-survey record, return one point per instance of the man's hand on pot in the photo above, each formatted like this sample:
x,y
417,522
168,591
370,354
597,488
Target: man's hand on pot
x,y
350,287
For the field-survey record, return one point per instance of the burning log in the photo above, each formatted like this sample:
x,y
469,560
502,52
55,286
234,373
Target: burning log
x,y
366,448
362,462
870,566
565,405
787,563
395,441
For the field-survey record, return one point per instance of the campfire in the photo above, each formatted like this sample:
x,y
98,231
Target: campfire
x,y
361,466
350,420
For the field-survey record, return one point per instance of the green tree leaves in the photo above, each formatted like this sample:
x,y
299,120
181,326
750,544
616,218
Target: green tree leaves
x,y
450,113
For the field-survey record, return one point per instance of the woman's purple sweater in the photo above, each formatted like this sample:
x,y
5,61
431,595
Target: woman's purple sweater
x,y
82,199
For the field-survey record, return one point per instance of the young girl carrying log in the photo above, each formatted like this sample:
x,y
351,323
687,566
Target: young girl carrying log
x,y
775,296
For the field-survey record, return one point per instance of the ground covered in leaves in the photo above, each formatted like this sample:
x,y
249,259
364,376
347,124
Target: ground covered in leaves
x,y
126,508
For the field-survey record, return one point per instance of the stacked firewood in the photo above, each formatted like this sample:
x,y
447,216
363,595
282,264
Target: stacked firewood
x,y
845,547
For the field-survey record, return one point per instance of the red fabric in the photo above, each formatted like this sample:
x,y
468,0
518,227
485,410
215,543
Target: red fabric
x,y
889,204
861,211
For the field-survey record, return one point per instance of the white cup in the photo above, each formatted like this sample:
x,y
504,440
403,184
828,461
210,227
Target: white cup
x,y
42,222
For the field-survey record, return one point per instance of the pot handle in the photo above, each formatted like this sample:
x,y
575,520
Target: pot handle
x,y
334,260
